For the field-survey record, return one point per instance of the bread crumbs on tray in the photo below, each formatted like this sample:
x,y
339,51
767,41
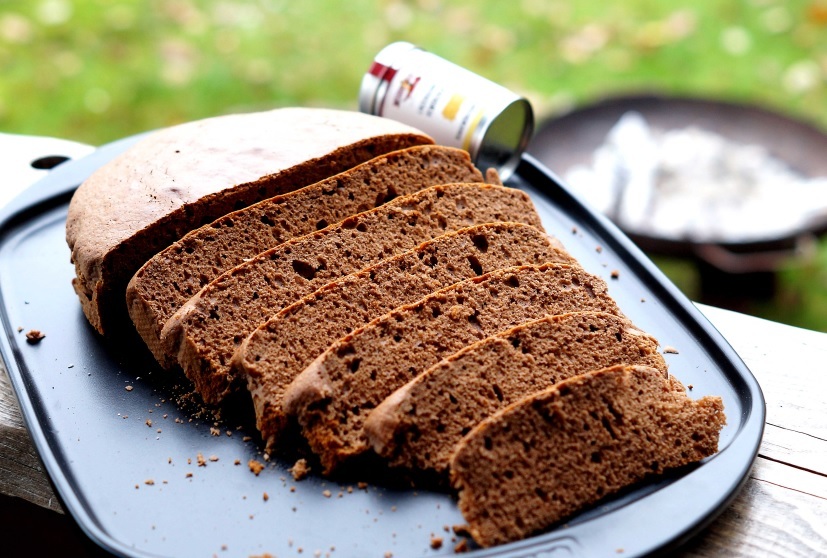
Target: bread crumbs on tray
x,y
213,458
34,336
128,388
615,274
436,542
670,350
265,496
201,461
327,494
255,466
299,470
462,546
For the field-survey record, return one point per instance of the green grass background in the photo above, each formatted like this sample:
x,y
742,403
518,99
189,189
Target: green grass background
x,y
97,70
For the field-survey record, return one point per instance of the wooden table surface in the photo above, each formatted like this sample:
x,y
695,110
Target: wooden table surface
x,y
781,511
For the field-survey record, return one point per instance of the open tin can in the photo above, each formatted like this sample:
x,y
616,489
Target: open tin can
x,y
455,106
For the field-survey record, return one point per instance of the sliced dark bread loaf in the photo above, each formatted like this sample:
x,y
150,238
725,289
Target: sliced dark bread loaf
x,y
206,331
418,425
558,451
333,396
180,178
277,351
178,272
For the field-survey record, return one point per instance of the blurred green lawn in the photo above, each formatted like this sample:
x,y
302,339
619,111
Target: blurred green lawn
x,y
97,70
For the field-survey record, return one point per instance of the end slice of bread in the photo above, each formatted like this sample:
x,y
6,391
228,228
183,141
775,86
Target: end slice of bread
x,y
418,426
552,454
185,176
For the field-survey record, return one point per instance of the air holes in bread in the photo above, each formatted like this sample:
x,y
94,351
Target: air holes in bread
x,y
475,264
304,269
481,243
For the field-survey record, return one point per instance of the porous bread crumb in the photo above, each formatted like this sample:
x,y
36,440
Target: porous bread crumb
x,y
201,461
149,482
461,547
300,469
149,423
214,431
34,336
255,466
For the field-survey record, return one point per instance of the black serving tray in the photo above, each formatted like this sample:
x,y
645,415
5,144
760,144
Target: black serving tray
x,y
95,441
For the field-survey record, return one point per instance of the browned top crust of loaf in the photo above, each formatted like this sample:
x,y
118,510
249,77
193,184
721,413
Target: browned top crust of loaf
x,y
205,332
180,178
332,397
178,272
275,353
553,453
418,426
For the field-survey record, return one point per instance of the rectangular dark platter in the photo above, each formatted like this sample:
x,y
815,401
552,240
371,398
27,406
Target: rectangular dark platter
x,y
125,463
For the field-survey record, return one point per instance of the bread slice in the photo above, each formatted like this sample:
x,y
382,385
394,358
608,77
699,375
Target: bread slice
x,y
277,351
205,332
418,425
333,396
552,454
180,178
178,272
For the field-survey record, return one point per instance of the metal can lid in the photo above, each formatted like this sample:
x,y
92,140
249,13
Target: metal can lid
x,y
502,142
